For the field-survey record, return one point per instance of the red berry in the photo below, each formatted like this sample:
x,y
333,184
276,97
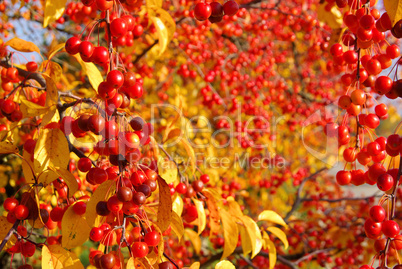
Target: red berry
x,y
84,164
10,204
80,207
118,27
390,228
152,238
377,213
72,45
230,8
139,249
21,212
202,11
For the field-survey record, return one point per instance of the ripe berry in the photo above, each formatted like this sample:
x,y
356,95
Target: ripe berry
x,y
204,178
124,194
8,106
377,213
385,182
230,8
84,164
32,66
216,9
137,123
56,214
28,249
107,261
100,55
10,204
80,208
72,45
118,27
202,11
343,177
102,208
139,249
390,228
181,188
21,212
115,79
86,49
152,238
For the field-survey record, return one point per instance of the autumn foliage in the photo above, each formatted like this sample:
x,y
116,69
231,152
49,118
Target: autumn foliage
x,y
200,134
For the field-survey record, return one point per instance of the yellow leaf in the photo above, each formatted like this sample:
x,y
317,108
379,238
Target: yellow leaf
x,y
230,233
394,10
280,234
234,207
51,116
27,167
202,218
5,226
167,170
164,24
175,132
177,225
135,264
55,50
54,9
271,251
213,209
194,238
30,109
54,72
22,45
332,18
195,265
164,216
50,150
6,147
157,3
102,193
190,152
272,216
75,229
69,179
224,265
177,205
93,73
56,257
254,234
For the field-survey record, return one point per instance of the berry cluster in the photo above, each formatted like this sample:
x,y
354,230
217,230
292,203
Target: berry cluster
x,y
215,11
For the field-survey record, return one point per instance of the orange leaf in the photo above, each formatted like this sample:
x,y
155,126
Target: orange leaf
x,y
164,216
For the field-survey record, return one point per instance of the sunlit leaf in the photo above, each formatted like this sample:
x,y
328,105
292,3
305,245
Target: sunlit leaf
x,y
271,251
177,225
164,216
254,234
190,152
157,3
272,216
56,257
394,10
195,265
164,24
332,18
5,227
53,11
202,218
30,109
194,238
68,177
224,265
280,234
234,207
22,45
75,229
6,147
213,209
167,170
230,233
94,75
55,49
177,205
102,193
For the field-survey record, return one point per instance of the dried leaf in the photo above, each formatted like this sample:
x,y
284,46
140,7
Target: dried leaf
x,y
164,216
177,225
53,11
75,229
394,10
202,218
164,24
280,234
254,234
272,216
22,45
68,177
102,193
224,265
6,147
56,257
194,238
230,233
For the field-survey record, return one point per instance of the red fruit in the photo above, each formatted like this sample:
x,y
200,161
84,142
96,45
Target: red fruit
x,y
32,66
343,177
152,238
204,178
72,45
114,204
86,49
375,171
372,121
230,8
373,148
10,204
106,91
118,27
137,178
381,111
111,129
383,85
100,55
393,51
394,141
390,228
84,164
202,11
181,188
115,79
385,182
21,212
96,234
139,249
80,207
28,249
377,213
372,228
8,106
96,175
336,50
96,124
216,9
56,214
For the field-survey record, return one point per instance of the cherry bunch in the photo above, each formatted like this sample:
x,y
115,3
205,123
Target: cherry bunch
x,y
215,11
